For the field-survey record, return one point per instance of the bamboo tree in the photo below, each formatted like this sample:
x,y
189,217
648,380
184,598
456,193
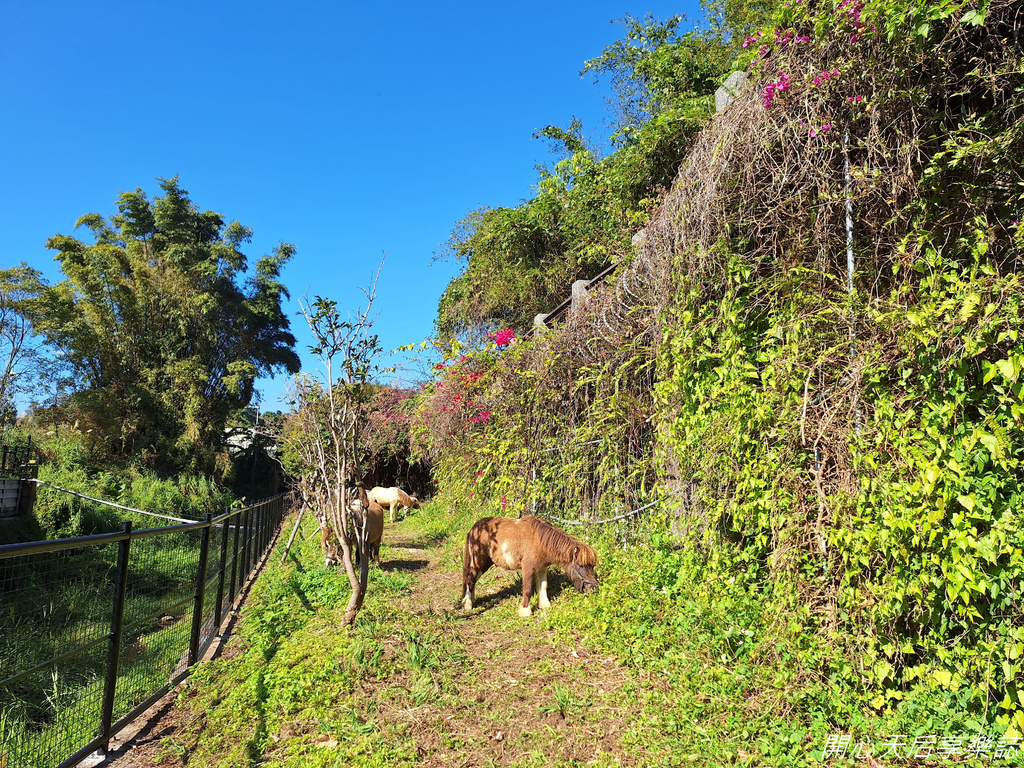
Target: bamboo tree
x,y
161,326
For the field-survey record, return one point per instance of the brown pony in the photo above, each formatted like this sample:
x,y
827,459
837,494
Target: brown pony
x,y
358,506
531,545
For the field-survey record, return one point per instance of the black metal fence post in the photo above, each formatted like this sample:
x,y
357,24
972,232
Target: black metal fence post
x,y
197,611
218,611
246,546
235,570
114,643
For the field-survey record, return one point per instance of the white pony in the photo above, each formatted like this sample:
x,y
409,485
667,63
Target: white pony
x,y
394,498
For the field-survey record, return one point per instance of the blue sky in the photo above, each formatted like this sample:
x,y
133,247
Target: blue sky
x,y
351,130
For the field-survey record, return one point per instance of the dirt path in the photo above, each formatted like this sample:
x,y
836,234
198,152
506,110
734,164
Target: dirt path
x,y
492,689
523,689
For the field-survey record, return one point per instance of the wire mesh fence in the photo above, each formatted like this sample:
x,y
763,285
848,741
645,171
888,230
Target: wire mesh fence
x,y
95,629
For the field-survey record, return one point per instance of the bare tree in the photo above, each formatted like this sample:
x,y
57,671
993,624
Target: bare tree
x,y
331,411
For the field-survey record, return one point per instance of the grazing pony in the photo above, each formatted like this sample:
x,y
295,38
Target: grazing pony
x,y
359,506
531,545
394,498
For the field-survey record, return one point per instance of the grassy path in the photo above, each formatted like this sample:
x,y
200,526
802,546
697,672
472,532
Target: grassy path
x,y
417,680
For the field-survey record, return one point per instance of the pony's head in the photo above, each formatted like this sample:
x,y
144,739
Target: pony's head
x,y
356,499
581,571
329,545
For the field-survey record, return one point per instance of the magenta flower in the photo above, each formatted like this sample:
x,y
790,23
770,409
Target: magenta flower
x,y
503,338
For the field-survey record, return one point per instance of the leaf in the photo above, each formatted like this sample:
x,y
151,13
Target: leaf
x,y
975,18
1017,725
991,442
943,677
326,740
971,303
990,371
1008,368
883,670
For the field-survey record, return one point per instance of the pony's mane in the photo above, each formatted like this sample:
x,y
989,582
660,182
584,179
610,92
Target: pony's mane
x,y
561,543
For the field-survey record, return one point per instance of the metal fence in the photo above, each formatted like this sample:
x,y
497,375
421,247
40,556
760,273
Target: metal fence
x,y
95,629
14,457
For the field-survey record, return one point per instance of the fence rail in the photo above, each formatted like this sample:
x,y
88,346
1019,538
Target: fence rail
x,y
95,629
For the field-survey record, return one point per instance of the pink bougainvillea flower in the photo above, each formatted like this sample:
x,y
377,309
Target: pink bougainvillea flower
x,y
826,127
813,133
504,337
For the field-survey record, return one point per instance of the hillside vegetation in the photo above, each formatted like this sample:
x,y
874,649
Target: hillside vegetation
x,y
790,422
809,358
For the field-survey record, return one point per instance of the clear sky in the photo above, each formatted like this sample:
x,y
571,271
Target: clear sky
x,y
349,129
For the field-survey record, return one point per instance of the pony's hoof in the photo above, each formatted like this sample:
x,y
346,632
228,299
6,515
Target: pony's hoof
x,y
544,606
467,605
525,612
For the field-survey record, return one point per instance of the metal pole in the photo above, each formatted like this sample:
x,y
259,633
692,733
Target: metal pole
x,y
114,642
234,561
218,610
850,263
246,546
197,610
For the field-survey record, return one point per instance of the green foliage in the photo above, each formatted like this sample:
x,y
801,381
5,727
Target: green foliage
x,y
840,449
859,449
520,261
658,74
21,362
162,335
67,464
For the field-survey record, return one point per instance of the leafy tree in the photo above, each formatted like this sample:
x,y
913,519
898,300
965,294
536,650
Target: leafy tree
x,y
20,359
522,261
161,332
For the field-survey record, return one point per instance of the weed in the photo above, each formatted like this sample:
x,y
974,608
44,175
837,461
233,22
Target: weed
x,y
421,654
562,701
170,748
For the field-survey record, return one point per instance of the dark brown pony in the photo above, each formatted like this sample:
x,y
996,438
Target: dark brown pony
x,y
358,506
531,545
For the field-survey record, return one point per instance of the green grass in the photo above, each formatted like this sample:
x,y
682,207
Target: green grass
x,y
650,671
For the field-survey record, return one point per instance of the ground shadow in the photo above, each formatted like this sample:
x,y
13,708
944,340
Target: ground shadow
x,y
427,541
557,583
404,565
